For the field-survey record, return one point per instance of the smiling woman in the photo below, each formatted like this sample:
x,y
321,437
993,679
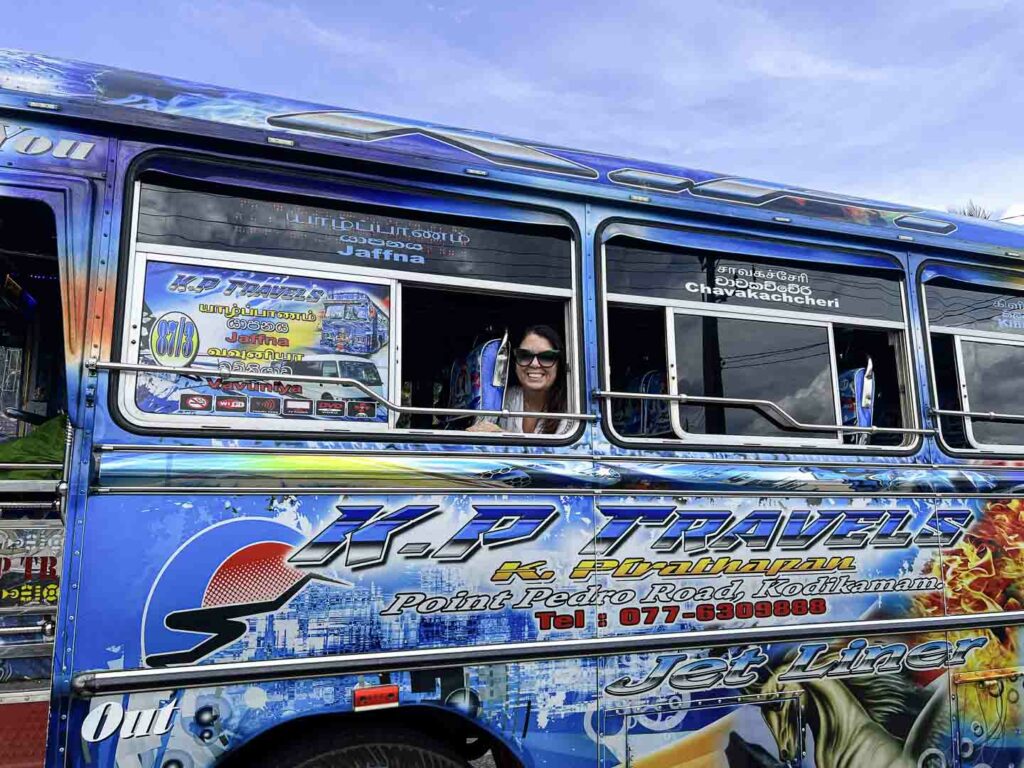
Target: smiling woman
x,y
540,371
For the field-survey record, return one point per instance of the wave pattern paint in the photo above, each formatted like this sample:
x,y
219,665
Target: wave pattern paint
x,y
289,576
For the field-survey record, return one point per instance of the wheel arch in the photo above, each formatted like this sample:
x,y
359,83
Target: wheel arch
x,y
454,729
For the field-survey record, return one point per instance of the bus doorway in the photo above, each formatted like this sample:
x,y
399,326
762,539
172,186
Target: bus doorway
x,y
33,444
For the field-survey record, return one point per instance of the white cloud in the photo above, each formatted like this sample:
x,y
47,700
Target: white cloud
x,y
914,102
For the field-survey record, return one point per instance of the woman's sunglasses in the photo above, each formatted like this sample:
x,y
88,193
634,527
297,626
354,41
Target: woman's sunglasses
x,y
545,359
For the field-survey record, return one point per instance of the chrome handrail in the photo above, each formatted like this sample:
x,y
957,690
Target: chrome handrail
x,y
980,415
108,365
63,485
104,682
764,407
44,628
48,505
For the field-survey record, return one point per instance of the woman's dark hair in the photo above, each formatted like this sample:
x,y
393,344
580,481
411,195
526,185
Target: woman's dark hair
x,y
556,400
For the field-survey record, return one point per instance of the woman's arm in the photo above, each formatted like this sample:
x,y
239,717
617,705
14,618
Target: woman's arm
x,y
481,425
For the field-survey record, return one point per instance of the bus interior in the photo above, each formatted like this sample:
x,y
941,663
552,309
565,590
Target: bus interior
x,y
441,326
33,392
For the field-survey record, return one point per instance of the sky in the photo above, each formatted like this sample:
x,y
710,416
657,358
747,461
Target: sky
x,y
918,102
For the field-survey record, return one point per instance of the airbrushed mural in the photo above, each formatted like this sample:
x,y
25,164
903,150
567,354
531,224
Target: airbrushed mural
x,y
259,578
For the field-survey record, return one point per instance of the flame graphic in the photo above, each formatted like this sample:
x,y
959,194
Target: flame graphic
x,y
984,573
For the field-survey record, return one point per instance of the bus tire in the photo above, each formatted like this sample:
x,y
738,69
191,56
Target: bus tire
x,y
376,748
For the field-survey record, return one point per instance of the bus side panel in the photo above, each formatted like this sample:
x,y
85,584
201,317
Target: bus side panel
x,y
205,579
983,574
544,712
740,561
805,707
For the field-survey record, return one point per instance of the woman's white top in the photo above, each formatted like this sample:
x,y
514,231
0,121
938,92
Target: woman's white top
x,y
514,402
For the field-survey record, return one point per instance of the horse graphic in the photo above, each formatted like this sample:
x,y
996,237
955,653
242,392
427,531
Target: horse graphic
x,y
852,720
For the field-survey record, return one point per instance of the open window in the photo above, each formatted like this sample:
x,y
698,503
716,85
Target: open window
x,y
465,362
33,459
715,341
245,311
976,334
33,392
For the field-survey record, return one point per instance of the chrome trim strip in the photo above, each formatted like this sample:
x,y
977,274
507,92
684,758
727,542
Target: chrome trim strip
x,y
446,454
104,682
28,505
11,695
15,465
680,492
107,365
27,629
611,459
35,610
29,486
296,488
26,650
765,408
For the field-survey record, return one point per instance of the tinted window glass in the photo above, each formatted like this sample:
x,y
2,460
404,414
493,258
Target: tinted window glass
x,y
785,363
709,277
993,373
957,306
535,256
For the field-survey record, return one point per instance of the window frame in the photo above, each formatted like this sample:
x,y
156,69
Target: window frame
x,y
362,194
961,371
673,233
997,280
744,439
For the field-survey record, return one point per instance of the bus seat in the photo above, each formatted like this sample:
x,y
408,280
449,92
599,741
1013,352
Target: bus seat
x,y
857,400
478,380
644,417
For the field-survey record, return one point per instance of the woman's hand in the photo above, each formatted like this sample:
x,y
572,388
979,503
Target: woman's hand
x,y
483,426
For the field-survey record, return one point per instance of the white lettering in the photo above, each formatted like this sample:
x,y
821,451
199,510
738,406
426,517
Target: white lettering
x,y
22,141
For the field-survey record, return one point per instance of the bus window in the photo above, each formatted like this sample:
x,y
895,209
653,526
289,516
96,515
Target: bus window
x,y
763,352
33,394
234,292
445,360
784,362
977,348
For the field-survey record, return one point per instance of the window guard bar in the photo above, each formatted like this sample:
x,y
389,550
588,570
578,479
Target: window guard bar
x,y
980,415
108,365
65,474
44,627
770,410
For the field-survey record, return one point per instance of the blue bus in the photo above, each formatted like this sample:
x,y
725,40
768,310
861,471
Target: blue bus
x,y
352,323
781,523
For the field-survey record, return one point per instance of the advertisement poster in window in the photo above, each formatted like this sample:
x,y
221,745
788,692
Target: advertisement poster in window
x,y
232,321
